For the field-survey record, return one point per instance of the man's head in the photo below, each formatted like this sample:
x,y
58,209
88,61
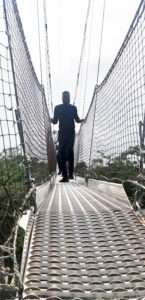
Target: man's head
x,y
66,97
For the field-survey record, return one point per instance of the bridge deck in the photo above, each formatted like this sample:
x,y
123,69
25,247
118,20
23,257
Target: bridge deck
x,y
86,243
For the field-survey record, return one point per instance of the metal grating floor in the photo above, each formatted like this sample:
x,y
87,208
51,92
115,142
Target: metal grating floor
x,y
86,244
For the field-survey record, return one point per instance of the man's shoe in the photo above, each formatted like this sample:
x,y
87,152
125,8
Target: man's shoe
x,y
64,180
71,177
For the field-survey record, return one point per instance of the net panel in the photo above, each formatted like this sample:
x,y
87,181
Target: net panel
x,y
11,155
12,173
119,102
30,94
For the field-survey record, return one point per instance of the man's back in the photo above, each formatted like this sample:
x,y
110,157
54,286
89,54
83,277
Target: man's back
x,y
66,114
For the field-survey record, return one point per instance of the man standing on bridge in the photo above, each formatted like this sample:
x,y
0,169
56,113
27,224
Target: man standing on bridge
x,y
66,114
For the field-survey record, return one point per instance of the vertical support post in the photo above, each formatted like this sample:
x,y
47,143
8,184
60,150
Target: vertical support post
x,y
142,136
142,146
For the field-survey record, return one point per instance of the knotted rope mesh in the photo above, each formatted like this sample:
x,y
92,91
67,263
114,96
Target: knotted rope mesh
x,y
30,93
25,131
12,188
118,104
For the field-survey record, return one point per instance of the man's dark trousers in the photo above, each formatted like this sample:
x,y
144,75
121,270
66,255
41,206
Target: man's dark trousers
x,y
66,152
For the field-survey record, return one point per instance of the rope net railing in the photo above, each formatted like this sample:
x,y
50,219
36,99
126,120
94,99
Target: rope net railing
x,y
26,145
30,94
12,175
118,103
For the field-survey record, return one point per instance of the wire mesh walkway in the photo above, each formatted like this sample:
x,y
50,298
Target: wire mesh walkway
x,y
85,244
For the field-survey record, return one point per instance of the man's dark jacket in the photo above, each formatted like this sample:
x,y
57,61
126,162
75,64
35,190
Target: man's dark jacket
x,y
66,114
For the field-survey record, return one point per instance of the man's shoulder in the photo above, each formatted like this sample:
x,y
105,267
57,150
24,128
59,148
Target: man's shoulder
x,y
58,107
62,106
73,107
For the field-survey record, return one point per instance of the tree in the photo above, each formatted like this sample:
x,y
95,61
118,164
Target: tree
x,y
12,193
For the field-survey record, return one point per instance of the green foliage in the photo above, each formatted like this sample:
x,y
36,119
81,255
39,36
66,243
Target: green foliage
x,y
81,169
12,193
7,292
39,170
13,189
11,172
118,169
20,242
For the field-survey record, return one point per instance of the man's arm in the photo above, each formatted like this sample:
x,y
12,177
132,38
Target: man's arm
x,y
54,120
76,117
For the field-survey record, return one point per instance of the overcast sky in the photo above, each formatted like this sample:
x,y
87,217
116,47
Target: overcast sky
x,y
66,19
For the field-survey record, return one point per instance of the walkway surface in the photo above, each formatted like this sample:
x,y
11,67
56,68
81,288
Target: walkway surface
x,y
86,243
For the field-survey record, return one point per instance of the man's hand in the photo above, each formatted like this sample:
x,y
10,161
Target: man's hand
x,y
82,120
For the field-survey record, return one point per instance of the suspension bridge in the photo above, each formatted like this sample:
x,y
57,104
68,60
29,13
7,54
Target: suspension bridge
x,y
83,240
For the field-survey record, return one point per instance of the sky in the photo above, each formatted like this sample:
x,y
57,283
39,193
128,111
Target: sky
x,y
66,21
